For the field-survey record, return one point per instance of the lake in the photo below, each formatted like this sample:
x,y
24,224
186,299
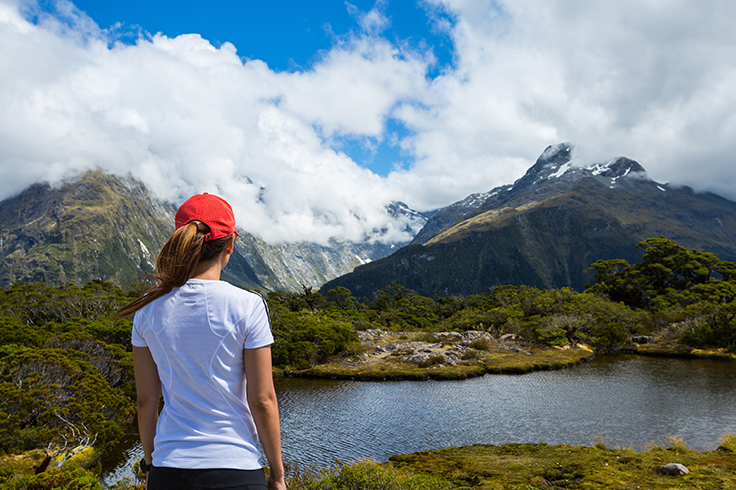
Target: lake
x,y
626,400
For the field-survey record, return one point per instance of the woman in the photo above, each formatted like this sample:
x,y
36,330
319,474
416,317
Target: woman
x,y
207,345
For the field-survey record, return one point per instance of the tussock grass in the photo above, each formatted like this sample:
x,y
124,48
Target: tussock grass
x,y
361,475
727,443
480,344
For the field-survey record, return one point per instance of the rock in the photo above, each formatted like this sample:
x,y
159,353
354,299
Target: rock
x,y
643,339
419,357
508,336
674,469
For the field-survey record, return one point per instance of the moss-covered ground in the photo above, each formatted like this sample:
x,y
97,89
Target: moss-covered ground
x,y
542,466
478,467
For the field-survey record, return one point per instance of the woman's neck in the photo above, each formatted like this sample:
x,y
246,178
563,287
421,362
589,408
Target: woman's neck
x,y
209,271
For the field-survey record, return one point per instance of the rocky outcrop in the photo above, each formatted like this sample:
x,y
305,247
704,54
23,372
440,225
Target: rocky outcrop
x,y
428,349
674,469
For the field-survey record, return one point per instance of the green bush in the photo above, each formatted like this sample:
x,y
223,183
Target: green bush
x,y
67,478
609,337
304,339
46,393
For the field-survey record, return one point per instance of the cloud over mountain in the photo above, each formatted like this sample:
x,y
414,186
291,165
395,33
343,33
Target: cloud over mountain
x,y
645,79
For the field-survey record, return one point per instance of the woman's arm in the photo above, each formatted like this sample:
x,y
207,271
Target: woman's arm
x,y
264,407
148,389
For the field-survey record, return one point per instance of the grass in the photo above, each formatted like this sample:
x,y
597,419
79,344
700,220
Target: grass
x,y
541,466
362,475
480,344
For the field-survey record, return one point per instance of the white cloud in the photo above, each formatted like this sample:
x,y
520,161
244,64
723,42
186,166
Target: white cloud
x,y
355,87
186,117
650,80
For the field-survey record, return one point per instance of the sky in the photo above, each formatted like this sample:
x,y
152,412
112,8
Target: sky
x,y
310,117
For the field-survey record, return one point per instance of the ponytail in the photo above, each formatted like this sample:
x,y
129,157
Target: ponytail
x,y
177,261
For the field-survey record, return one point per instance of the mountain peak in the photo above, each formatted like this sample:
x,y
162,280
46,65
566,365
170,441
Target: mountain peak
x,y
619,167
556,164
555,155
553,162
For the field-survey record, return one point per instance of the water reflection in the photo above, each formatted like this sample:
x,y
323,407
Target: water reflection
x,y
626,400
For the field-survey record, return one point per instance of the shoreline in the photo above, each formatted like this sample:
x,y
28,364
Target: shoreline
x,y
390,356
679,351
547,360
390,359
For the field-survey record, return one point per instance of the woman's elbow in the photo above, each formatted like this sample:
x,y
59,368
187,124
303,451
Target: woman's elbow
x,y
263,403
147,400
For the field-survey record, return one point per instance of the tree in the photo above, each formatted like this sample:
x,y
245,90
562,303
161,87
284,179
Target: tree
x,y
666,267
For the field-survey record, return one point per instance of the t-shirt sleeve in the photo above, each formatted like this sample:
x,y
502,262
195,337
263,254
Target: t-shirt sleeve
x,y
136,338
258,326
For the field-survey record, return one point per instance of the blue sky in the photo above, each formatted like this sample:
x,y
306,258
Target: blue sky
x,y
288,35
311,117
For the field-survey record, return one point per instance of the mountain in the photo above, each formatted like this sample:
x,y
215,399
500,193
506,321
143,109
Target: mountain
x,y
104,227
547,228
99,227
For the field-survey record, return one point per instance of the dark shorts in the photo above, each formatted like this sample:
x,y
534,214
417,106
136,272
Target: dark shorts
x,y
222,479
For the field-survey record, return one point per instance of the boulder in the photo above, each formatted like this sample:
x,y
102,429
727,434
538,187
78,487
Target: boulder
x,y
643,339
674,469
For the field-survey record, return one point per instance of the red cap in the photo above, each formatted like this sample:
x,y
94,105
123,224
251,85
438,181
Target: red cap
x,y
211,210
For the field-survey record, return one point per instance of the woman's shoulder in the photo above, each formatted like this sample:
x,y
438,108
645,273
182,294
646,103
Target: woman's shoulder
x,y
229,290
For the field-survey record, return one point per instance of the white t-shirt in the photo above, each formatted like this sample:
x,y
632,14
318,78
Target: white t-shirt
x,y
196,335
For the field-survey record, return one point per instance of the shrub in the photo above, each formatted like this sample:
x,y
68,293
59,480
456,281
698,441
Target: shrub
x,y
609,337
45,393
481,343
68,477
303,339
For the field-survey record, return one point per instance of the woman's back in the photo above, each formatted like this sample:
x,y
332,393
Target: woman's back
x,y
207,346
196,335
